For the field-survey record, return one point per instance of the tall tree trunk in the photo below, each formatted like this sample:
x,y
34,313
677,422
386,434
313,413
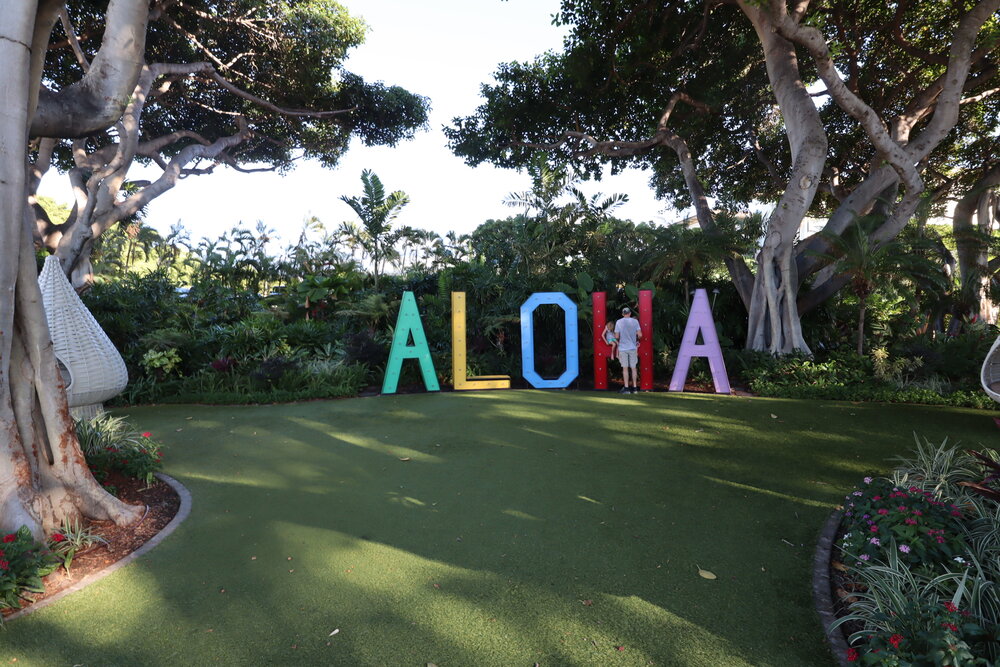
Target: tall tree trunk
x,y
971,241
774,323
44,478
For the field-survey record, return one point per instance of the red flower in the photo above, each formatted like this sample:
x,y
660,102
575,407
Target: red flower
x,y
9,537
950,626
147,434
3,564
950,606
874,528
895,640
58,537
852,655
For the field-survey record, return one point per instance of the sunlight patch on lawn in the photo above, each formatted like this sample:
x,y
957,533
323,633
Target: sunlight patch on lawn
x,y
385,448
768,492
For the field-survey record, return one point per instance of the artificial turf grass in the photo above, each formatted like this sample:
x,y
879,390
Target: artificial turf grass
x,y
515,509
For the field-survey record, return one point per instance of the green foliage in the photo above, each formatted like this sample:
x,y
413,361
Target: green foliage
x,y
261,383
377,211
301,43
112,444
161,362
73,538
847,376
935,601
315,296
23,563
132,305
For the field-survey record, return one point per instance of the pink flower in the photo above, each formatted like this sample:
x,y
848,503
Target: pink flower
x,y
147,434
873,528
4,564
910,522
883,511
904,548
852,655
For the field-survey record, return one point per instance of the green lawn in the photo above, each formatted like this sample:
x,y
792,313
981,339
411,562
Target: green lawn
x,y
527,526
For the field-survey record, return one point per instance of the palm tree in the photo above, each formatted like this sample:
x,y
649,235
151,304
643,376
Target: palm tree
x,y
374,236
868,264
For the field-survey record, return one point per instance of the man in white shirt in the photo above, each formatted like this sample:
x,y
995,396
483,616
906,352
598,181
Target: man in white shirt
x,y
629,334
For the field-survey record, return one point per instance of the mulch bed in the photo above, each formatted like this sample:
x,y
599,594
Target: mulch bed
x,y
161,502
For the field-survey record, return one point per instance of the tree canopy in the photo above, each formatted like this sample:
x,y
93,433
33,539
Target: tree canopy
x,y
714,98
250,84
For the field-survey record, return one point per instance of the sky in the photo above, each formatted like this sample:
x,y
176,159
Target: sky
x,y
441,49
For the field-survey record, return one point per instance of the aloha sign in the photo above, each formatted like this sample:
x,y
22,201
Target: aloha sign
x,y
699,323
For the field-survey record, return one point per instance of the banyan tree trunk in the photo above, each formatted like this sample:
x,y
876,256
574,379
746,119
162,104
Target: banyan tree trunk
x,y
44,478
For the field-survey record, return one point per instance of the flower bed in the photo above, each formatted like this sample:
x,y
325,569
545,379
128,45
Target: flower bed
x,y
916,563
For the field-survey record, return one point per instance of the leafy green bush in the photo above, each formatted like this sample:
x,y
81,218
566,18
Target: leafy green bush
x,y
132,306
876,393
319,378
111,444
161,362
23,563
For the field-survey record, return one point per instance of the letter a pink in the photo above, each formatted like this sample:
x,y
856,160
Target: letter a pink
x,y
700,319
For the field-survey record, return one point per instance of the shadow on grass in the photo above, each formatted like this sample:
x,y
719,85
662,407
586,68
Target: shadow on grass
x,y
489,528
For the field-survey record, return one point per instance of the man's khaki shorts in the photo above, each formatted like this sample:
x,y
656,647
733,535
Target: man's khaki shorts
x,y
628,358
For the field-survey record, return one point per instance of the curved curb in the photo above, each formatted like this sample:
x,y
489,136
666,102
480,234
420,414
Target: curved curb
x,y
822,590
182,513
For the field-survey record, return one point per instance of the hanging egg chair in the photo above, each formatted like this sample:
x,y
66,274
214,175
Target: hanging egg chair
x,y
989,377
92,369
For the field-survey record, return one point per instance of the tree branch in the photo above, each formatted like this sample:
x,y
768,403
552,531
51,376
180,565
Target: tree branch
x,y
97,100
74,43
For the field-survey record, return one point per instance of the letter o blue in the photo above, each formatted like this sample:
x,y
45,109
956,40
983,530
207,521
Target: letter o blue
x,y
528,340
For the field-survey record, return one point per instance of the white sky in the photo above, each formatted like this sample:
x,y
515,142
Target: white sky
x,y
442,49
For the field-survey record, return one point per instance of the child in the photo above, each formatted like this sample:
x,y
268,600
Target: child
x,y
609,338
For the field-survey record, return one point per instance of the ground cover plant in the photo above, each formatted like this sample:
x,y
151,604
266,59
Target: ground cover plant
x,y
489,528
922,554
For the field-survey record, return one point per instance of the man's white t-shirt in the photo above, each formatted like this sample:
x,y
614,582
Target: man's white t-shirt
x,y
626,329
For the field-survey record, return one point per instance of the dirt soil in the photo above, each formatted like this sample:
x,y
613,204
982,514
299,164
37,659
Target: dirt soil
x,y
161,503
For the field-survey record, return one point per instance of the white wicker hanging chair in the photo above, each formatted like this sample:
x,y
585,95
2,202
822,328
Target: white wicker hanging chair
x,y
92,369
990,375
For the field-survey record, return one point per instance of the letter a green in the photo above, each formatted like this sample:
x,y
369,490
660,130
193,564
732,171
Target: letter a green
x,y
409,323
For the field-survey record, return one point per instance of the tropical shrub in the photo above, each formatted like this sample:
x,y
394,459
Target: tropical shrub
x,y
161,362
23,563
112,444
